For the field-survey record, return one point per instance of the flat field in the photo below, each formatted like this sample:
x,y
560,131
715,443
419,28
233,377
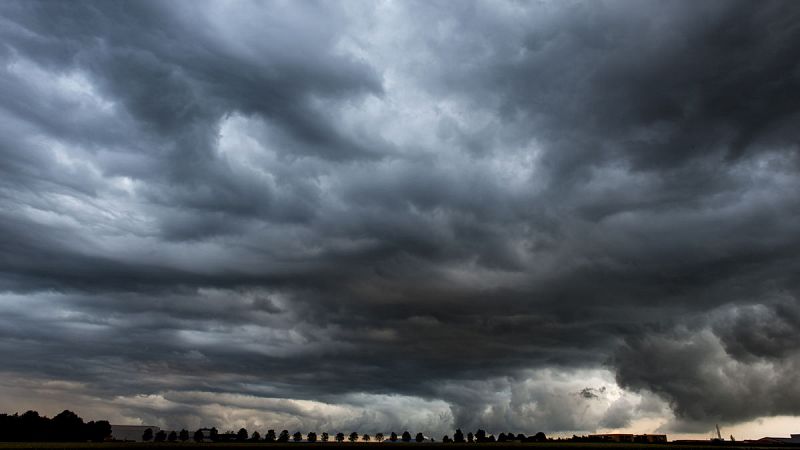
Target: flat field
x,y
369,446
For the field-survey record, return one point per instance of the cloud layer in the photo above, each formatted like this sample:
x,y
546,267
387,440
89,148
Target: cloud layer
x,y
537,215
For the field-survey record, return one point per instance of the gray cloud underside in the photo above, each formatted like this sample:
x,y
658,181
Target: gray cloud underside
x,y
312,200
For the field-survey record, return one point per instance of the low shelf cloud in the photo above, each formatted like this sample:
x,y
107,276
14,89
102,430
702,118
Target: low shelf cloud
x,y
558,216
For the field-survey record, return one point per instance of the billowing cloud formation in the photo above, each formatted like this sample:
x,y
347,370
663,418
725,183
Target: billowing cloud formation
x,y
343,213
742,364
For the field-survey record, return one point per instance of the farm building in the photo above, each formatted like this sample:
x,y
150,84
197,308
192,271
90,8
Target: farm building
x,y
622,437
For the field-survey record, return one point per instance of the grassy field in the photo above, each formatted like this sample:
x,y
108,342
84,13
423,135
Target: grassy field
x,y
364,446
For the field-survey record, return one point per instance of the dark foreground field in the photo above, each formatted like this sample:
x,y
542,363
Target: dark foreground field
x,y
364,446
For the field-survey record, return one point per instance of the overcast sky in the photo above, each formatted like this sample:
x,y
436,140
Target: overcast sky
x,y
520,216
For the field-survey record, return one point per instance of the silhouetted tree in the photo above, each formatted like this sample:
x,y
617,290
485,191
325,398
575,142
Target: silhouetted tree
x,y
406,436
27,427
270,436
501,437
540,437
446,439
311,437
161,436
173,436
419,437
379,437
340,437
183,435
470,437
198,436
324,437
97,431
365,438
213,434
22,428
256,436
297,436
458,436
284,436
66,426
353,437
480,436
393,437
147,436
241,435
522,438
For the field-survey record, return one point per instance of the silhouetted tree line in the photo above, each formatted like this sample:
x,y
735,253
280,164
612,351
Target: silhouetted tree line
x,y
65,427
242,435
68,427
480,436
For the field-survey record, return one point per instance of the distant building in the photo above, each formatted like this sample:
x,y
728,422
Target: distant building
x,y
206,432
131,432
793,439
230,436
612,437
651,438
623,437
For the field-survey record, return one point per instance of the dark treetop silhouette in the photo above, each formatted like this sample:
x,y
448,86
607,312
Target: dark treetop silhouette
x,y
65,427
68,427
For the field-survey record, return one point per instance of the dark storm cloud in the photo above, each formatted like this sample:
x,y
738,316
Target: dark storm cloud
x,y
654,87
741,366
430,199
